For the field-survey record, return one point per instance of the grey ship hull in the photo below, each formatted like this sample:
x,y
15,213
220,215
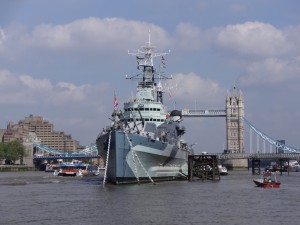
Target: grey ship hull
x,y
159,160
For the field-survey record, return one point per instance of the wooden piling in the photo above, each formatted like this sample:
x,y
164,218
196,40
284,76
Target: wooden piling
x,y
255,166
204,167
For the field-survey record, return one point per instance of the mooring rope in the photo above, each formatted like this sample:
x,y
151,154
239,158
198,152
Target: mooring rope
x,y
135,167
133,158
107,157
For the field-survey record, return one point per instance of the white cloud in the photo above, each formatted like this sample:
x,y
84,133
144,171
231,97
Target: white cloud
x,y
67,92
35,84
7,80
108,37
272,71
108,34
254,38
52,36
24,89
191,87
2,36
189,37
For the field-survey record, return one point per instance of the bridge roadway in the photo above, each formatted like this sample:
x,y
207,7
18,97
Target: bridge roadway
x,y
290,156
203,113
295,156
66,157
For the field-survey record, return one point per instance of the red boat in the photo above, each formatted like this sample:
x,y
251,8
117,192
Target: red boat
x,y
268,180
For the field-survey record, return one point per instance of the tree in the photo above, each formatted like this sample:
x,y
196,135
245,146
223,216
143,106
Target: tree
x,y
2,150
14,150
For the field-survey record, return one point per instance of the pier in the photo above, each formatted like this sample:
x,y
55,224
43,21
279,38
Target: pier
x,y
204,167
198,162
256,165
16,168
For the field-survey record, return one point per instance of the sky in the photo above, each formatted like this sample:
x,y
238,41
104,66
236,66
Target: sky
x,y
64,60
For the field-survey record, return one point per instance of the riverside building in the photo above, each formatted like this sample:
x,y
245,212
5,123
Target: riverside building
x,y
43,129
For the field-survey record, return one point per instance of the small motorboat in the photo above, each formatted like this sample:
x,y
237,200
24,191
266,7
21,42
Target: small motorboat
x,y
268,180
223,170
51,167
76,169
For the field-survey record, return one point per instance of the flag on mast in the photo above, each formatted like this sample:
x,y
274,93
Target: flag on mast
x,y
162,62
115,102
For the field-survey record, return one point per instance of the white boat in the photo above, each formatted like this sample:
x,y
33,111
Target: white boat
x,y
76,169
91,170
223,170
296,167
51,167
292,166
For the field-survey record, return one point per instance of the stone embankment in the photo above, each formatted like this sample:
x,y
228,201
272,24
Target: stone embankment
x,y
16,168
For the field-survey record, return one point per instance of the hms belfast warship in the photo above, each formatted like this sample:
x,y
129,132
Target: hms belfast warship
x,y
144,142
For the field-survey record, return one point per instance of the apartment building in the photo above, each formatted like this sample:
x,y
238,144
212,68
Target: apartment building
x,y
44,131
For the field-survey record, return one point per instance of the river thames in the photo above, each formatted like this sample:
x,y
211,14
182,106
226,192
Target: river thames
x,y
40,198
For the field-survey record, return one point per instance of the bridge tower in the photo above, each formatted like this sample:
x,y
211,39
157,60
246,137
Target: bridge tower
x,y
234,121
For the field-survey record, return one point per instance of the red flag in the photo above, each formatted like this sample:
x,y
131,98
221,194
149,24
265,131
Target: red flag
x,y
115,103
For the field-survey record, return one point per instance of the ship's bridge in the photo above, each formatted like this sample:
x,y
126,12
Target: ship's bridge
x,y
145,90
145,84
154,111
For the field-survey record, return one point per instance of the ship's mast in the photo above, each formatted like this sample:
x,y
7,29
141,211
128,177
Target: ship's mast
x,y
145,59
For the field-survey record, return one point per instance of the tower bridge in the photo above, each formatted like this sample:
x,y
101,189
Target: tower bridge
x,y
234,114
234,154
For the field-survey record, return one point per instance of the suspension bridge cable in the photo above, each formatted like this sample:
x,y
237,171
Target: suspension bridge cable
x,y
89,150
272,141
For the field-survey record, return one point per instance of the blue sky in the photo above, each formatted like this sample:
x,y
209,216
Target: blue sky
x,y
63,60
